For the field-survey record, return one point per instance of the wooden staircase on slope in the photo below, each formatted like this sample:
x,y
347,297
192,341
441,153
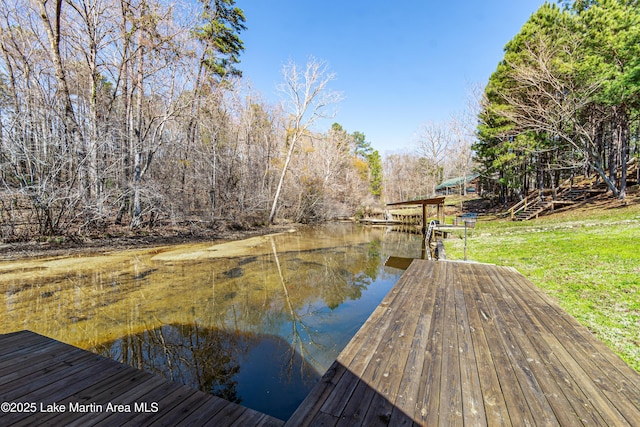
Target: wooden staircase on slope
x,y
531,210
537,203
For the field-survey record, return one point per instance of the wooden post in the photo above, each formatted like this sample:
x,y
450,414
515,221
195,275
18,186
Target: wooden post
x,y
424,219
465,240
425,246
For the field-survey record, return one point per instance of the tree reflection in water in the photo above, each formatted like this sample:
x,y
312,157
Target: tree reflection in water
x,y
270,372
216,361
202,358
257,327
297,324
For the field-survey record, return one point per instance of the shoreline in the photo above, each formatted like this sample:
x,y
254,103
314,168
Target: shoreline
x,y
69,246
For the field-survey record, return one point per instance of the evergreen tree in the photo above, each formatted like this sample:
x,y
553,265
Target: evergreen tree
x,y
564,97
219,32
362,146
375,173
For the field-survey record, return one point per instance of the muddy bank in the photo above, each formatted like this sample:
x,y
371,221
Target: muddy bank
x,y
59,246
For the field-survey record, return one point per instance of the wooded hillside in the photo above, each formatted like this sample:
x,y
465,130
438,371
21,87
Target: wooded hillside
x,y
134,112
564,101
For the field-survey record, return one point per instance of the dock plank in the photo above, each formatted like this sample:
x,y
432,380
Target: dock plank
x,y
559,380
469,375
357,409
30,362
428,398
184,407
15,343
609,391
410,383
451,384
518,409
395,353
111,374
494,403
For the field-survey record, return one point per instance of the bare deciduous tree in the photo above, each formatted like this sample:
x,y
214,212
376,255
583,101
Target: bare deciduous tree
x,y
433,140
460,154
307,98
117,114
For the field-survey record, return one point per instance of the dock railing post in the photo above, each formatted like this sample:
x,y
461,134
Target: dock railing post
x,y
465,240
469,222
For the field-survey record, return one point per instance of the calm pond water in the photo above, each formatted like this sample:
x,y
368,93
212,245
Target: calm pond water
x,y
256,321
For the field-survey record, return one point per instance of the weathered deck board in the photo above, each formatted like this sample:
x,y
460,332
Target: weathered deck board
x,y
38,370
472,344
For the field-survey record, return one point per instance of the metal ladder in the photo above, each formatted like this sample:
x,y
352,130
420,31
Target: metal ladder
x,y
427,238
432,226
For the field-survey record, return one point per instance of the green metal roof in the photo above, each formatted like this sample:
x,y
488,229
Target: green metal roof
x,y
455,182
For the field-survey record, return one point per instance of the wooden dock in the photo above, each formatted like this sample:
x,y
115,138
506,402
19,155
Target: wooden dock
x,y
46,382
375,221
471,344
451,344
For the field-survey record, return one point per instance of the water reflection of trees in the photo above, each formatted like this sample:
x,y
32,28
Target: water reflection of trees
x,y
203,358
238,366
296,321
342,281
133,298
114,297
279,294
328,277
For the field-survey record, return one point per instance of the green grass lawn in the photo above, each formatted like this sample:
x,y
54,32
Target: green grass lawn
x,y
587,259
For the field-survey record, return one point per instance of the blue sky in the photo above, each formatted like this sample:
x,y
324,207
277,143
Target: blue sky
x,y
397,64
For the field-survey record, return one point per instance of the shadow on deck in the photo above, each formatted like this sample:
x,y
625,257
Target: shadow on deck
x,y
472,344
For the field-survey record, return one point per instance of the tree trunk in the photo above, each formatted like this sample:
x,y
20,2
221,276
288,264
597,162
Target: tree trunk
x,y
127,121
272,215
623,132
596,164
136,217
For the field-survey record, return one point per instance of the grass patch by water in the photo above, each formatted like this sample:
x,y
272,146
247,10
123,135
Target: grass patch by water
x,y
587,259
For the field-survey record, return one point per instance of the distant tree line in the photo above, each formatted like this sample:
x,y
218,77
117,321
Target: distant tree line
x,y
564,101
131,113
442,150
